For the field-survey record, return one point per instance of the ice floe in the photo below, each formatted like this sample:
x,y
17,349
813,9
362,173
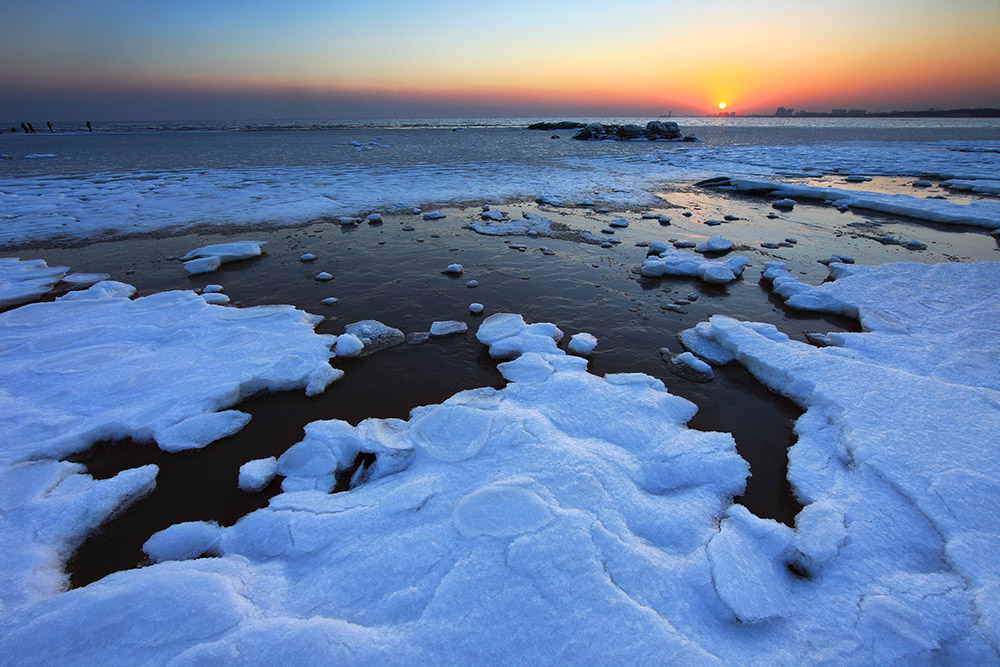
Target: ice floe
x,y
24,280
209,258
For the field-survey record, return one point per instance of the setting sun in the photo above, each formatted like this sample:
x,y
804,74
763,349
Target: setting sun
x,y
722,105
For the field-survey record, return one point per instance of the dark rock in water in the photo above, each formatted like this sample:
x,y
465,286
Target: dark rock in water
x,y
818,339
654,131
560,125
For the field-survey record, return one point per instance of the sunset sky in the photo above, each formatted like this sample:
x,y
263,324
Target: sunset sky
x,y
218,59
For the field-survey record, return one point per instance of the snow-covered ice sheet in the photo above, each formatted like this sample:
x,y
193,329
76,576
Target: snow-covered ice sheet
x,y
49,207
571,518
976,213
101,366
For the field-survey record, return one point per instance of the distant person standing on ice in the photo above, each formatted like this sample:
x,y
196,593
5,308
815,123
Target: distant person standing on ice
x,y
89,128
25,128
50,127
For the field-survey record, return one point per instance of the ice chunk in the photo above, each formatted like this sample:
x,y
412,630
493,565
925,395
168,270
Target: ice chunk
x,y
211,289
323,276
183,541
453,269
582,343
348,345
215,298
308,257
434,215
227,252
256,474
499,326
201,430
715,244
679,263
448,328
106,289
375,336
203,265
84,279
476,308
785,204
690,367
529,225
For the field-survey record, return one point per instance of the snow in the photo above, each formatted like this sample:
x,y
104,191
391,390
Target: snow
x,y
255,475
582,343
448,328
24,280
679,263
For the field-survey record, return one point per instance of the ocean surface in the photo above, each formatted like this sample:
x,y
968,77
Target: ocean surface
x,y
138,146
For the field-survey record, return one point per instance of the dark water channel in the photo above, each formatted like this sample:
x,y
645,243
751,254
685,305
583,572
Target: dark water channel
x,y
384,273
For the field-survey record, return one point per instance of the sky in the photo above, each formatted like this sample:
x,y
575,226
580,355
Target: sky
x,y
254,59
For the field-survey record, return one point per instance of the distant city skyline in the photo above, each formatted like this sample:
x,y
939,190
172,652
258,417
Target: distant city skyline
x,y
221,59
